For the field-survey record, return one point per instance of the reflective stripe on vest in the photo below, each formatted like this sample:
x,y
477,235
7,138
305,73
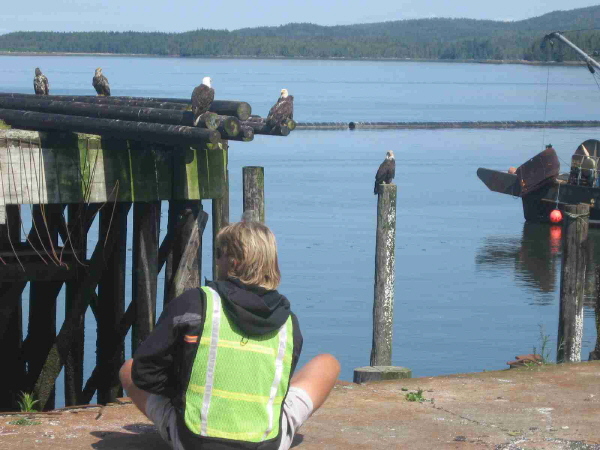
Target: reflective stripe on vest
x,y
238,383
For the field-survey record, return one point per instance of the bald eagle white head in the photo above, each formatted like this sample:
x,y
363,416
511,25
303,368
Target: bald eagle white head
x,y
202,96
282,111
386,172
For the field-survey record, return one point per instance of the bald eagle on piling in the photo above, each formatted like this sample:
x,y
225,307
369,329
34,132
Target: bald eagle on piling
x,y
202,97
386,172
282,110
40,83
100,83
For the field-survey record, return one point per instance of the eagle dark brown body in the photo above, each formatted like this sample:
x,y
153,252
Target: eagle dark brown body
x,y
386,172
100,83
40,83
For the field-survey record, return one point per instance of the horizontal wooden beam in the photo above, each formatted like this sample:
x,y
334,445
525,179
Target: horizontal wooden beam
x,y
107,111
45,168
241,110
120,129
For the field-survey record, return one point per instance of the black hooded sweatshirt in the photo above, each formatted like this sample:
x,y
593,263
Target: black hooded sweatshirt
x,y
163,363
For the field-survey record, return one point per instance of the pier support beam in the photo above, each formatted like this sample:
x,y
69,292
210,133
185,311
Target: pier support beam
x,y
254,193
220,218
574,259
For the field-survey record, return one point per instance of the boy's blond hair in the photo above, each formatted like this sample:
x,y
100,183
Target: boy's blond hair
x,y
252,252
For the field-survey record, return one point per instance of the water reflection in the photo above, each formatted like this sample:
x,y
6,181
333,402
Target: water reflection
x,y
535,259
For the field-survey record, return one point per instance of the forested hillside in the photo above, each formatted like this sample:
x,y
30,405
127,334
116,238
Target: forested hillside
x,y
447,39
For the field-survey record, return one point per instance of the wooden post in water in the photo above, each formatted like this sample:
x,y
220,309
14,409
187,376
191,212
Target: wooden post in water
x,y
80,218
383,305
385,265
111,301
595,354
574,258
254,193
11,336
146,222
220,218
43,294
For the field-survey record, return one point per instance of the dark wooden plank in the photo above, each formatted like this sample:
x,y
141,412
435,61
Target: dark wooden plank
x,y
11,335
184,262
146,217
111,301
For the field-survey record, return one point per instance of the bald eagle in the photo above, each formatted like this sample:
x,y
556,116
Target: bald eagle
x,y
100,83
40,83
202,97
386,172
282,110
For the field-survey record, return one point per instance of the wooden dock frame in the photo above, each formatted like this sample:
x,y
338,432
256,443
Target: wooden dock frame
x,y
67,179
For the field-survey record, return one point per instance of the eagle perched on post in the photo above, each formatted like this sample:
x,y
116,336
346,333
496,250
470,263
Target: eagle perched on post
x,y
282,110
386,172
100,83
40,83
202,96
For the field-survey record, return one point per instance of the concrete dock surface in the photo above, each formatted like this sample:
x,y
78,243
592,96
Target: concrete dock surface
x,y
537,407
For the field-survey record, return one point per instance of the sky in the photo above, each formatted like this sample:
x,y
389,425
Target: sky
x,y
187,15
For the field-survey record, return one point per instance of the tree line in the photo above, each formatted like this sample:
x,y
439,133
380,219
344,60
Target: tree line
x,y
431,39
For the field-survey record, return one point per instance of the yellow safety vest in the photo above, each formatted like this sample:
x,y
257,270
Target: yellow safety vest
x,y
238,382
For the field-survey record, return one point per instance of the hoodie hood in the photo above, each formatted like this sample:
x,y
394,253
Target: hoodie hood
x,y
255,310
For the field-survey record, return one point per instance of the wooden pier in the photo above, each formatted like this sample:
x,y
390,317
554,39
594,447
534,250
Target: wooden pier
x,y
73,161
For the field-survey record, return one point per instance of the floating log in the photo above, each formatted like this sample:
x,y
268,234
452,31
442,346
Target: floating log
x,y
149,132
108,111
261,127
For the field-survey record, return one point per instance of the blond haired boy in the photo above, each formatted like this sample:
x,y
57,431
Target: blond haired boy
x,y
217,372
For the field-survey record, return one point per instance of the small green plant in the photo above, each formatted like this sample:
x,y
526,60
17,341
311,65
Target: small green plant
x,y
27,402
415,396
24,422
544,344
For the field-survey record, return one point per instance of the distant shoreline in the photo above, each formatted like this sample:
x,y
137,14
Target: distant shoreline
x,y
462,61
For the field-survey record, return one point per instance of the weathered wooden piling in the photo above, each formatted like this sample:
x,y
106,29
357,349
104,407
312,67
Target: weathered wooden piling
x,y
383,305
574,259
595,354
11,333
184,263
43,294
220,218
111,301
385,266
254,193
146,223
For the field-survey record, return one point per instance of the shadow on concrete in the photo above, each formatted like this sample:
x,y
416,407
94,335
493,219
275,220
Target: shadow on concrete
x,y
140,436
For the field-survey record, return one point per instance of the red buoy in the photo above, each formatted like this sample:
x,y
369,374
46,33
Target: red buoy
x,y
555,216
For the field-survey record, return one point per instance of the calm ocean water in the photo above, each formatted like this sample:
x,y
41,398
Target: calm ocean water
x,y
474,285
